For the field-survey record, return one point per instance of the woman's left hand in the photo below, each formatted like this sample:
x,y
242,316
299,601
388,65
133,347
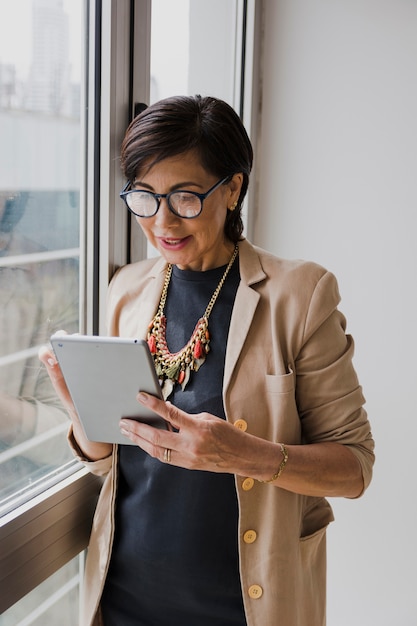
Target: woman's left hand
x,y
202,441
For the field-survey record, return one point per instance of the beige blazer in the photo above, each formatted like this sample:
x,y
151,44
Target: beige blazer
x,y
289,376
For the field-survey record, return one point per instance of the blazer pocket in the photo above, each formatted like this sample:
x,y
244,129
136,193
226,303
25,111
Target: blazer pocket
x,y
283,383
280,409
313,548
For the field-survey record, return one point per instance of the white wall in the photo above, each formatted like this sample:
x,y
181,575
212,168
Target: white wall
x,y
338,185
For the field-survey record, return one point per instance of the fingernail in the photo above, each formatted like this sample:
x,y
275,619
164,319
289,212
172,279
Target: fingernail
x,y
51,362
142,397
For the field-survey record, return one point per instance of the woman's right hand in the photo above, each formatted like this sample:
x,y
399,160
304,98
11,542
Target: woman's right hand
x,y
92,450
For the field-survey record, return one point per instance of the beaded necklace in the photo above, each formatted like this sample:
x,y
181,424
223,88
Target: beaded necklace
x,y
175,368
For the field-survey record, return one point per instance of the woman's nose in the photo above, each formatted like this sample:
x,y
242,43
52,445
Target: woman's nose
x,y
164,214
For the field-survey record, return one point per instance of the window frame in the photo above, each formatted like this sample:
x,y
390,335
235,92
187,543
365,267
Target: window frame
x,y
41,536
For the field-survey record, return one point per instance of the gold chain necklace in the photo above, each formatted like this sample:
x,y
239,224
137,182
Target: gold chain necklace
x,y
172,368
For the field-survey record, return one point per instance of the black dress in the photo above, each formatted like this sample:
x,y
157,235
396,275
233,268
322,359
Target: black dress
x,y
175,554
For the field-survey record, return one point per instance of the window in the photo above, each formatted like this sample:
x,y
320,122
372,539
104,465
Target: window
x,y
39,227
41,43
196,48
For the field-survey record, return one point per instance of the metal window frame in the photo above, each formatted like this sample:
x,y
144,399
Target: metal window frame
x,y
250,96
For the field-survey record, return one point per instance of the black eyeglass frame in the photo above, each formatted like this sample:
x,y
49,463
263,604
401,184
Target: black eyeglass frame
x,y
158,196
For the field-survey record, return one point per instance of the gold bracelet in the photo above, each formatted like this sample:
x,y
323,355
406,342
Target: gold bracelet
x,y
281,466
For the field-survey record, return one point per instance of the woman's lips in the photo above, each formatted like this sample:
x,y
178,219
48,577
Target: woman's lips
x,y
171,243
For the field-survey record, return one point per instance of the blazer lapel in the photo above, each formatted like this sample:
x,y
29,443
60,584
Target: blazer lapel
x,y
144,308
246,301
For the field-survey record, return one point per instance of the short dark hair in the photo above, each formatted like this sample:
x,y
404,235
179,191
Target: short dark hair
x,y
206,125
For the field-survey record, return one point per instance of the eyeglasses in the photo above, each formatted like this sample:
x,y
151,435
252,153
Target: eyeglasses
x,y
182,203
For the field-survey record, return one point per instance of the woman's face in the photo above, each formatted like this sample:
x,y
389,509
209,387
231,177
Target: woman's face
x,y
198,243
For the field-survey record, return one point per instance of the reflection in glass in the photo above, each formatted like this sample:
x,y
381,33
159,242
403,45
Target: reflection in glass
x,y
40,43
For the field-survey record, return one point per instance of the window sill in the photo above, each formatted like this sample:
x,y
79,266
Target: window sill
x,y
40,536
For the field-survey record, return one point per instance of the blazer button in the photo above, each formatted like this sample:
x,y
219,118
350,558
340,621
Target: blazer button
x,y
250,536
255,592
241,425
247,484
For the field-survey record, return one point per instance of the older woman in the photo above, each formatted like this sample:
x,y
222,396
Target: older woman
x,y
220,521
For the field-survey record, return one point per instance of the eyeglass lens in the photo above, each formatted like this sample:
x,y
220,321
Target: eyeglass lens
x,y
145,204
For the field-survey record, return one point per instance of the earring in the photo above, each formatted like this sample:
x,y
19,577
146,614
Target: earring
x,y
234,205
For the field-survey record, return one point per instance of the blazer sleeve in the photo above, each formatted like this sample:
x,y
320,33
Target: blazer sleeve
x,y
329,397
101,467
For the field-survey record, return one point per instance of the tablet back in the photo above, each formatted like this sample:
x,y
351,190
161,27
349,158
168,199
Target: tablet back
x,y
103,376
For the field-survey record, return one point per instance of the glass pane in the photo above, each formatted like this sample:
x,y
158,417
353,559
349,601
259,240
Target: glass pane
x,y
53,602
202,53
40,53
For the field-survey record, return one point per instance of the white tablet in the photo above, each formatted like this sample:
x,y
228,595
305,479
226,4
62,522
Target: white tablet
x,y
103,376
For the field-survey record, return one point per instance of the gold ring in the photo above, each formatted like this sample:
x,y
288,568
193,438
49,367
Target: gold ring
x,y
167,455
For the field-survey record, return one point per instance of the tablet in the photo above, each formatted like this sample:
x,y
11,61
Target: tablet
x,y
103,376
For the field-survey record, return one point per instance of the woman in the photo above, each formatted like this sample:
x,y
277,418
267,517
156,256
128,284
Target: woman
x,y
222,519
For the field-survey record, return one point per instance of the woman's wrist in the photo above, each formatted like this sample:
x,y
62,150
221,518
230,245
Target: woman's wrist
x,y
281,466
90,450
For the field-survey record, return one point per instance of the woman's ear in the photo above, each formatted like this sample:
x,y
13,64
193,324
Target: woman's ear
x,y
235,185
